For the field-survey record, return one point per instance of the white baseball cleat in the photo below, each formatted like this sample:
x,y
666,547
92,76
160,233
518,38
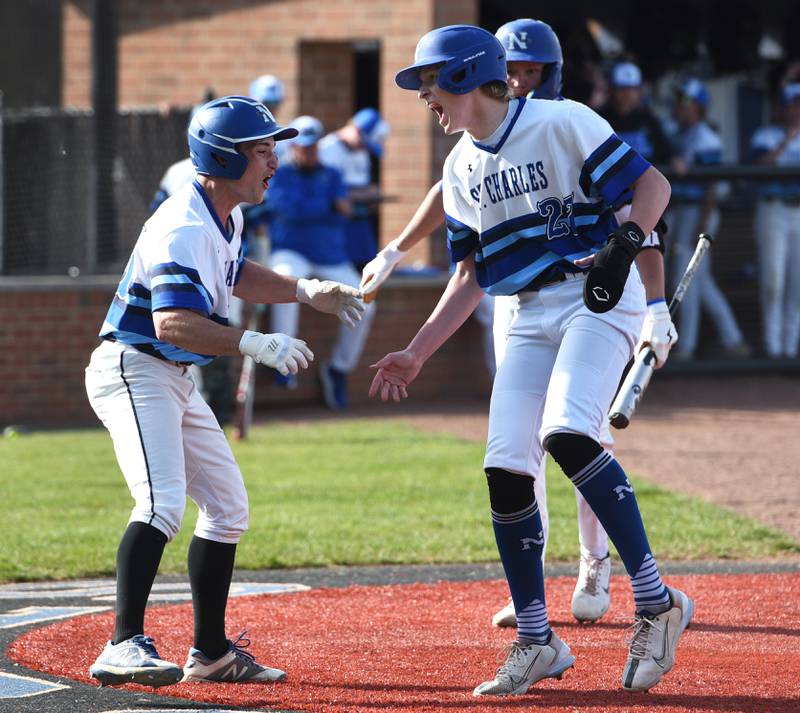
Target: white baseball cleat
x,y
235,666
525,665
134,660
507,616
592,597
653,642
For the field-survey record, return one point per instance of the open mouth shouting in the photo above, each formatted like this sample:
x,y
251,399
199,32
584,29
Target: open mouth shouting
x,y
438,110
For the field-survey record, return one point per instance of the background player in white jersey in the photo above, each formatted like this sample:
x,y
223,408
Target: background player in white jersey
x,y
171,310
777,226
529,192
534,64
693,210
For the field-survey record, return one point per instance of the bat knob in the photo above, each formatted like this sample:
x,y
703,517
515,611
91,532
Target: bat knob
x,y
618,420
707,237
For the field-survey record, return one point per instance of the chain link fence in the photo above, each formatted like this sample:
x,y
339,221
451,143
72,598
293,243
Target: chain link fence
x,y
60,213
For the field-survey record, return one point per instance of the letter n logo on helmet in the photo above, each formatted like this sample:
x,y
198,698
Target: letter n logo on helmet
x,y
517,40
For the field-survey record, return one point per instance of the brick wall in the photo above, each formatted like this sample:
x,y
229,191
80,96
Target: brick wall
x,y
171,52
49,332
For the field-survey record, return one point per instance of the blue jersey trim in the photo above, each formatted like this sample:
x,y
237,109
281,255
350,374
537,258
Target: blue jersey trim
x,y
225,234
495,149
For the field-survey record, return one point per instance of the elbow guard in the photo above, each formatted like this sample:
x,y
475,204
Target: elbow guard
x,y
606,279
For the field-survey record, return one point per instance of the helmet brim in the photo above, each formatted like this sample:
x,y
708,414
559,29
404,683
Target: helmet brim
x,y
408,78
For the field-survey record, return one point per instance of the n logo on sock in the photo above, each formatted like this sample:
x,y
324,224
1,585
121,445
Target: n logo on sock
x,y
622,490
528,541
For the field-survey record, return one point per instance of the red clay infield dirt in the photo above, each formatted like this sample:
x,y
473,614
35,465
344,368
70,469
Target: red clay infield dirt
x,y
423,647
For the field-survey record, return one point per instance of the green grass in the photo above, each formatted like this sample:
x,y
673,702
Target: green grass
x,y
343,492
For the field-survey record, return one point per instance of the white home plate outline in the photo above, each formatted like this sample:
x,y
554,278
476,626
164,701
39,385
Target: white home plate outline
x,y
105,590
45,686
36,615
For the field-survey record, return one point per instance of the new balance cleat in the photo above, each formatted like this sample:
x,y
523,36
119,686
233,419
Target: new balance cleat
x,y
653,642
525,665
235,666
134,660
507,616
592,596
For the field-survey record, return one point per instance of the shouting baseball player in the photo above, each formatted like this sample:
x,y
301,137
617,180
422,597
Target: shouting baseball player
x,y
534,64
171,310
542,229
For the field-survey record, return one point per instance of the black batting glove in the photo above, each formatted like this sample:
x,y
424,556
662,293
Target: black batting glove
x,y
606,279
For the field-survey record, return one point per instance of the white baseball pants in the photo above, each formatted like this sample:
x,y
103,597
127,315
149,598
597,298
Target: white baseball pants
x,y
167,442
778,238
561,369
704,292
592,536
286,317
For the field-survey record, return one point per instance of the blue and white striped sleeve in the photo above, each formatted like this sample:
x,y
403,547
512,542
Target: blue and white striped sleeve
x,y
176,275
461,239
610,166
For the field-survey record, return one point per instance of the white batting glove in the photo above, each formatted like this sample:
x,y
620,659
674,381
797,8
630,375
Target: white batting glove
x,y
279,351
379,268
332,298
658,332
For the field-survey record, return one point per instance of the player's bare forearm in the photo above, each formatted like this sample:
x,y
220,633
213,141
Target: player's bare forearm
x,y
427,218
259,284
196,333
651,193
457,303
650,263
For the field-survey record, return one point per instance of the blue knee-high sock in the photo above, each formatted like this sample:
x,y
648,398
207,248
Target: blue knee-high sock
x,y
610,495
520,541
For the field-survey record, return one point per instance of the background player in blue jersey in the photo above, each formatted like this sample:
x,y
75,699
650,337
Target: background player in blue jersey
x,y
693,210
308,204
351,150
171,310
777,224
631,118
529,191
534,65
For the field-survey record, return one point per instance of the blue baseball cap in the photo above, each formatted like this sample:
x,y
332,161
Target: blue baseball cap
x,y
373,129
267,89
309,130
626,74
790,92
695,90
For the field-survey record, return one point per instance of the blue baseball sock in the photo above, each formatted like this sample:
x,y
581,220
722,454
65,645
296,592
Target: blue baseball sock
x,y
520,541
610,495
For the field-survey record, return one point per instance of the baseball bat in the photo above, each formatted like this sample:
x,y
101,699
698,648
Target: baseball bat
x,y
632,389
245,390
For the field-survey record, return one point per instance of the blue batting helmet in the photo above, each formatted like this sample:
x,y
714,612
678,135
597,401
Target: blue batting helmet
x,y
217,127
267,89
470,56
373,129
529,40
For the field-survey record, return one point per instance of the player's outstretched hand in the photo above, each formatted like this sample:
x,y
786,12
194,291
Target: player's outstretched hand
x,y
658,332
395,372
378,269
279,351
332,298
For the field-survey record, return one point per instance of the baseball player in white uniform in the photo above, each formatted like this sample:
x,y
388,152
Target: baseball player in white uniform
x,y
777,226
528,193
534,64
693,210
171,310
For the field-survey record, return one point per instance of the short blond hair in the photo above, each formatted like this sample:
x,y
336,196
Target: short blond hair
x,y
497,90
